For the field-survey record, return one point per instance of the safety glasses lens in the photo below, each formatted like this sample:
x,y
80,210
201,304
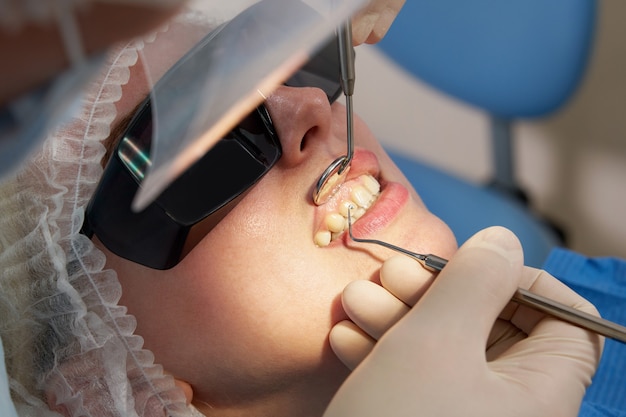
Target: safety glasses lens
x,y
321,71
233,165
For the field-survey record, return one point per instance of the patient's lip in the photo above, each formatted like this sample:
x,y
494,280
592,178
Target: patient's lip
x,y
392,199
393,196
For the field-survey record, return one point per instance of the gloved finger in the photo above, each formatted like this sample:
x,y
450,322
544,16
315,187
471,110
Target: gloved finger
x,y
350,343
371,307
505,332
555,354
372,23
503,335
405,278
536,324
473,288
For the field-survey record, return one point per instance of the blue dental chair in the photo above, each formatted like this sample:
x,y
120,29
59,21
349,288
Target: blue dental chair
x,y
513,59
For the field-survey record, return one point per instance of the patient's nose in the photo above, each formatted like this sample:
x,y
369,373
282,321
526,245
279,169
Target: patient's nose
x,y
302,118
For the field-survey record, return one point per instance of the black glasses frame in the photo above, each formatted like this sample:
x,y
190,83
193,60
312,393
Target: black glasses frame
x,y
164,232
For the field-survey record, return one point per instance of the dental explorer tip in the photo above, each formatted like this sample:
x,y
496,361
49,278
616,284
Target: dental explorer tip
x,y
350,208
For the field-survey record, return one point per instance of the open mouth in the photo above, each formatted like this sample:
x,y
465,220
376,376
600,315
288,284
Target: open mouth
x,y
359,193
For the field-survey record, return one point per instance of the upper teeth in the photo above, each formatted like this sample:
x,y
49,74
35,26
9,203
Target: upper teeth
x,y
363,193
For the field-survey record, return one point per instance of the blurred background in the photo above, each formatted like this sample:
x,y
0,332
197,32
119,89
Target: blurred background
x,y
572,164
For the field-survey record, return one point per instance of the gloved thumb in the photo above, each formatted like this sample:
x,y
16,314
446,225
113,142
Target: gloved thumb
x,y
473,288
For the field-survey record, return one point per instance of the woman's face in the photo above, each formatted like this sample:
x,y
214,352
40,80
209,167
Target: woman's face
x,y
245,317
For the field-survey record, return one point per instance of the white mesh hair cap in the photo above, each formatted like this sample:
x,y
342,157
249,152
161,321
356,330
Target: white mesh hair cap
x,y
70,349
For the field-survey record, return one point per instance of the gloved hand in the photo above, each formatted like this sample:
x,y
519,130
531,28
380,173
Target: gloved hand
x,y
463,349
372,23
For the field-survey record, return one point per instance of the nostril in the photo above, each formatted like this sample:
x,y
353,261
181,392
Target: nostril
x,y
312,132
301,120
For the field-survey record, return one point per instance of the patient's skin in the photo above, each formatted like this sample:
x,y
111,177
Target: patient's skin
x,y
244,318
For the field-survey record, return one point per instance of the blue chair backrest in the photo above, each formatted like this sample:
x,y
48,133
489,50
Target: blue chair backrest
x,y
513,58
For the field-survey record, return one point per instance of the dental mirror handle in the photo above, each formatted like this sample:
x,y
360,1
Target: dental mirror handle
x,y
348,78
346,58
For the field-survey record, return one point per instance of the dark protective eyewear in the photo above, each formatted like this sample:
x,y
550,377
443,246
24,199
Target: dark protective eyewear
x,y
162,234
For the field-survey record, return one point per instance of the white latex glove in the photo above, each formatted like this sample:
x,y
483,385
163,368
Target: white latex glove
x,y
374,309
372,23
463,349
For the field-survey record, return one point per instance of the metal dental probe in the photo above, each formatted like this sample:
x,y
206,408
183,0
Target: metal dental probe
x,y
523,297
335,174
